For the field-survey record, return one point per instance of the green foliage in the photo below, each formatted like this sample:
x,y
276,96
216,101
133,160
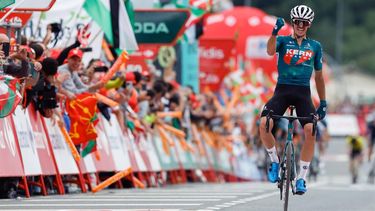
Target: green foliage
x,y
358,31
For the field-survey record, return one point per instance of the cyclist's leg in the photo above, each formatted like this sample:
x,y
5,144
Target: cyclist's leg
x,y
371,146
278,104
304,107
352,165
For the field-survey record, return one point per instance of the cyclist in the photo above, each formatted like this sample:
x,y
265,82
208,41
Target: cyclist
x,y
298,57
356,145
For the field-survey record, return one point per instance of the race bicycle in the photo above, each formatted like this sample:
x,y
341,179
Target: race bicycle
x,y
287,172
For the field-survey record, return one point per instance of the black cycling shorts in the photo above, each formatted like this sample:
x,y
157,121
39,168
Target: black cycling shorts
x,y
286,95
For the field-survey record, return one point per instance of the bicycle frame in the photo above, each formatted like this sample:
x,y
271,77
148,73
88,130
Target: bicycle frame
x,y
289,143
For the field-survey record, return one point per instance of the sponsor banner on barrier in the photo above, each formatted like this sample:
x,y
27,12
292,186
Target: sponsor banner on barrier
x,y
129,149
41,140
10,164
120,156
210,151
105,163
168,162
64,159
342,124
151,151
201,155
223,157
136,153
185,157
27,143
87,164
243,164
147,149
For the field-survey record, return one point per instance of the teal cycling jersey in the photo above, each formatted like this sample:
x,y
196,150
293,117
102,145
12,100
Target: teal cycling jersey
x,y
297,62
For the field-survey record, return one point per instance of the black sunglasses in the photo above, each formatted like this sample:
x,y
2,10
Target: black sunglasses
x,y
297,22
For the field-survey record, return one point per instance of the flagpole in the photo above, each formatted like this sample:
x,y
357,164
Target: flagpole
x,y
74,22
94,38
11,10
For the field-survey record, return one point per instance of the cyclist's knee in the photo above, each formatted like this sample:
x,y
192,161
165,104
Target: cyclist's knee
x,y
308,128
263,122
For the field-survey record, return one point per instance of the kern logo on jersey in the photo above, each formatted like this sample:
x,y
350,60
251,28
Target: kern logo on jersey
x,y
296,57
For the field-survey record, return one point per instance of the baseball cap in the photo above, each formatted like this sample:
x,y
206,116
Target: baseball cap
x,y
75,52
130,77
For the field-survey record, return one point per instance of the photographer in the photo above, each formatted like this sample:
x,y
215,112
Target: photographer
x,y
43,93
16,64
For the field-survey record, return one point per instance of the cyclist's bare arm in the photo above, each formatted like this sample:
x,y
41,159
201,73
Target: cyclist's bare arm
x,y
271,45
320,85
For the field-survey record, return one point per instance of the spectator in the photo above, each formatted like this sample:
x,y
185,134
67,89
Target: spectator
x,y
68,76
16,64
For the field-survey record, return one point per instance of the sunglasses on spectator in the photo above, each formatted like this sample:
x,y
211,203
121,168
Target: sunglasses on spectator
x,y
305,23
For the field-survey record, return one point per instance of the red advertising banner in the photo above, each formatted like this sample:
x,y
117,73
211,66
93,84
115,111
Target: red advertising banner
x,y
214,62
251,28
105,164
41,141
137,60
10,164
22,17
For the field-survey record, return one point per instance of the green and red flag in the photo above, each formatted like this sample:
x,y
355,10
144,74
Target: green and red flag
x,y
198,8
113,18
10,96
83,117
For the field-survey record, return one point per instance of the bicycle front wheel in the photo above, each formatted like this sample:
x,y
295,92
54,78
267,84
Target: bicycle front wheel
x,y
288,173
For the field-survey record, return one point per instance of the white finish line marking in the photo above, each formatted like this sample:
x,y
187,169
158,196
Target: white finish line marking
x,y
91,205
221,205
151,197
114,200
214,208
266,195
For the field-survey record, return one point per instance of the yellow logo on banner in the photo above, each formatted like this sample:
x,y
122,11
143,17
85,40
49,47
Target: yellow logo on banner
x,y
166,56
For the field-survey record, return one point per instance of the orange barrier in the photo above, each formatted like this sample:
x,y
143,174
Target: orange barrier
x,y
138,183
183,143
165,139
190,148
112,180
107,51
175,131
173,114
207,138
103,99
70,144
115,67
197,139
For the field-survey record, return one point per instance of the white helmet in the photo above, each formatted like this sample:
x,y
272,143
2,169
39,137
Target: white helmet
x,y
302,12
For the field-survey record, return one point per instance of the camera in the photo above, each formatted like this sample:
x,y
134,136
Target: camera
x,y
6,48
87,49
101,69
56,27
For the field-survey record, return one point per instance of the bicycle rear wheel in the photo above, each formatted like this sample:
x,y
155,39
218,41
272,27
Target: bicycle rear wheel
x,y
288,172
